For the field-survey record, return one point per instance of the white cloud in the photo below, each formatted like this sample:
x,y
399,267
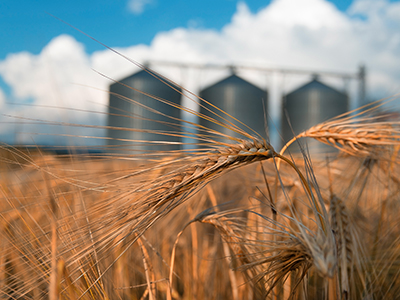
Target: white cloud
x,y
2,98
138,6
58,77
52,76
308,34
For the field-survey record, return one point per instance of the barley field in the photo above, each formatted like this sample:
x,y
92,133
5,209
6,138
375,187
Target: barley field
x,y
232,219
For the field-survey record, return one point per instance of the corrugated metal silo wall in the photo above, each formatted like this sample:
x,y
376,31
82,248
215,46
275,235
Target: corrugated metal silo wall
x,y
307,106
240,99
131,117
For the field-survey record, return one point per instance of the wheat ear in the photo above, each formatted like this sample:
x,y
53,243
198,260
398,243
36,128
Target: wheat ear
x,y
361,132
268,262
341,226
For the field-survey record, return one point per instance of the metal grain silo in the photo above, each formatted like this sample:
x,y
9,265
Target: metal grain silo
x,y
134,116
240,99
309,105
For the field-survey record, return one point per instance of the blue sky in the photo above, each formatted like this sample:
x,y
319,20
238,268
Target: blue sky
x,y
44,62
30,28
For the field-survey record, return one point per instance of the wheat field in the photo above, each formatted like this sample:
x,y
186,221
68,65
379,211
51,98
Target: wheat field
x,y
233,219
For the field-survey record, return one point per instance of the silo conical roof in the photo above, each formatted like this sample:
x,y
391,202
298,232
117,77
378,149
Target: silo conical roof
x,y
132,111
240,99
308,105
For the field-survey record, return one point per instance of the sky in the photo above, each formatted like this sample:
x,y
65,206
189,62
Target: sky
x,y
119,23
45,62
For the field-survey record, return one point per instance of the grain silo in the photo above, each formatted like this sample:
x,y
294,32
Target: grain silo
x,y
309,105
134,116
240,99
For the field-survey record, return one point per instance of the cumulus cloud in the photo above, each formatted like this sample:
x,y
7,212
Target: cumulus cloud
x,y
137,7
49,84
52,77
308,34
2,98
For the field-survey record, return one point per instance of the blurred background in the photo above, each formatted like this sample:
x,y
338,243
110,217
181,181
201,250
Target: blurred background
x,y
303,59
